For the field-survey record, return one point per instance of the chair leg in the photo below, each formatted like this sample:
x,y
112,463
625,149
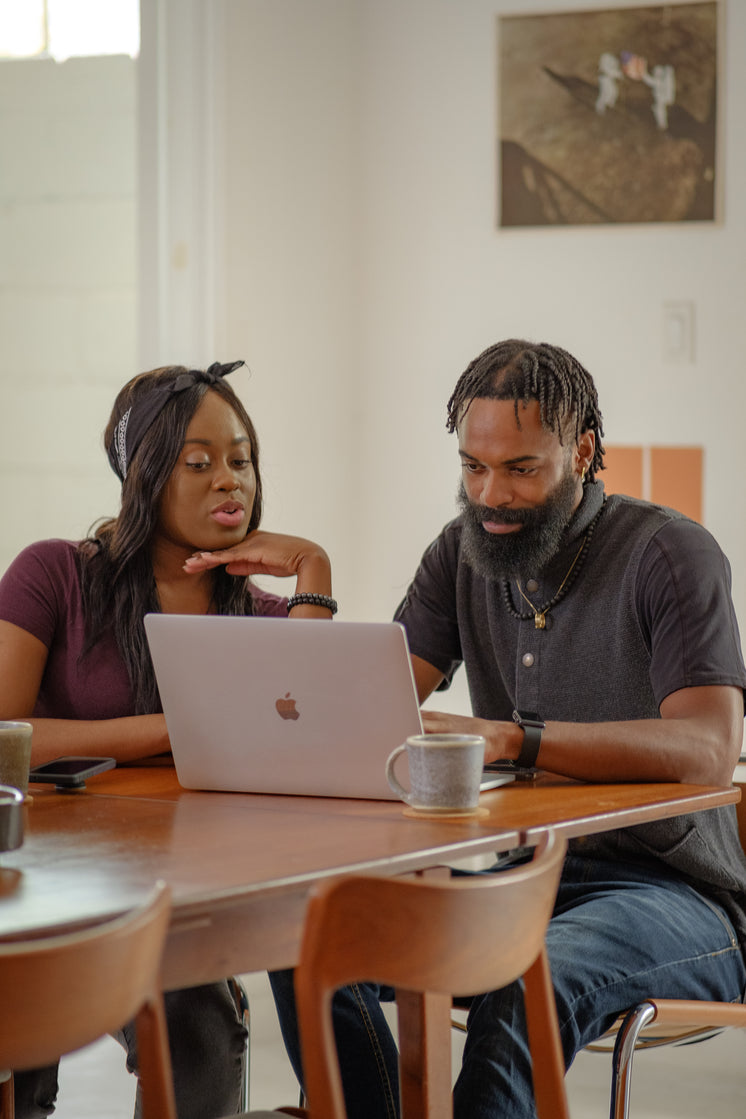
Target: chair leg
x,y
7,1099
156,1079
544,1041
624,1050
241,999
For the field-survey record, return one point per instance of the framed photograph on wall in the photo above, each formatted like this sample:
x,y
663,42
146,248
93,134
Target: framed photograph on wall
x,y
608,115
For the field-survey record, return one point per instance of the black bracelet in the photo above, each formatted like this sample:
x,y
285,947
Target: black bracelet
x,y
307,599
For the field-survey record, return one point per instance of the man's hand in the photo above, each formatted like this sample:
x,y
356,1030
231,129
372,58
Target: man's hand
x,y
503,740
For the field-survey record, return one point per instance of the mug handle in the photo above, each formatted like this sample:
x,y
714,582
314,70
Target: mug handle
x,y
391,776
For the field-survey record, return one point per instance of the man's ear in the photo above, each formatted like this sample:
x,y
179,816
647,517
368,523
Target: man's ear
x,y
585,449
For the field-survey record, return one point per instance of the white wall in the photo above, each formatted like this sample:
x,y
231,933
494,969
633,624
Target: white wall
x,y
318,177
364,266
292,281
67,288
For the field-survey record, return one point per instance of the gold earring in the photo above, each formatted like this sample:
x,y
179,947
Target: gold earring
x,y
582,474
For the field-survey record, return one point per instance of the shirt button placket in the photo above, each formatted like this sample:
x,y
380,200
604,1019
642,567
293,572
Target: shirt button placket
x,y
527,676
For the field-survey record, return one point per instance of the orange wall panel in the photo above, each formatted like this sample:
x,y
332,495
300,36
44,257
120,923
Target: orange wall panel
x,y
676,479
623,472
670,476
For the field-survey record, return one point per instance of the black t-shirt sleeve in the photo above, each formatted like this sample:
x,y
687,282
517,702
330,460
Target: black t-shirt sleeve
x,y
686,612
428,610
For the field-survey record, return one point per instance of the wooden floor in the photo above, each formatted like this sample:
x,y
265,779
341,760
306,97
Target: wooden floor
x,y
705,1081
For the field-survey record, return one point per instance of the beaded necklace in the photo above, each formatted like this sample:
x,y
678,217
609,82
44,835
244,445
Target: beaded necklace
x,y
539,614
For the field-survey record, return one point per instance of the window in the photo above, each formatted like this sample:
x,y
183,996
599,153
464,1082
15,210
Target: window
x,y
62,29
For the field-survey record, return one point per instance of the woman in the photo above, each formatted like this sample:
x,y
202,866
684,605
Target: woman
x,y
73,655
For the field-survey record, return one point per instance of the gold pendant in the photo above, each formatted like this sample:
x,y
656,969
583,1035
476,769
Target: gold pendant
x,y
540,621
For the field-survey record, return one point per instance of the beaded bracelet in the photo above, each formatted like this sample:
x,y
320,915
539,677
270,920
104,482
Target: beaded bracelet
x,y
308,599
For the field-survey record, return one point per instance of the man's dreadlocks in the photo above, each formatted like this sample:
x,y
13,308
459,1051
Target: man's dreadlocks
x,y
521,371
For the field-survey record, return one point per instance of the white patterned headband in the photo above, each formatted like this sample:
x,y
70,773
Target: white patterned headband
x,y
142,412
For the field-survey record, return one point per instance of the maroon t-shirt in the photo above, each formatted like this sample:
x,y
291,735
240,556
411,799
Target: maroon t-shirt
x,y
40,592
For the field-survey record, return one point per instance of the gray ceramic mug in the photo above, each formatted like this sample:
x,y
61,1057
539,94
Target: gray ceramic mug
x,y
445,772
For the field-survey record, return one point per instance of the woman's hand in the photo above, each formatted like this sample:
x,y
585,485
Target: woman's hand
x,y
273,553
269,553
503,740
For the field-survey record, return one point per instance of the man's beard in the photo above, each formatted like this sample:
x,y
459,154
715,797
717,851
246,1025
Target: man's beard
x,y
528,549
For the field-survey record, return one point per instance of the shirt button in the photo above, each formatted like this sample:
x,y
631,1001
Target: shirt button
x,y
532,585
527,660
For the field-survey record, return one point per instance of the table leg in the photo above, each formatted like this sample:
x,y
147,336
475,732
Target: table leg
x,y
425,1055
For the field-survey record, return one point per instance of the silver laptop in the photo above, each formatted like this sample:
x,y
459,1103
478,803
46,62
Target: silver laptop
x,y
263,705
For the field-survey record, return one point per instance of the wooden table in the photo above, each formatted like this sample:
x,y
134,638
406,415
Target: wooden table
x,y
240,866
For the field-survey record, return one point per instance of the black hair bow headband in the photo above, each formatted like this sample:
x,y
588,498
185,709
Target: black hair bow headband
x,y
142,412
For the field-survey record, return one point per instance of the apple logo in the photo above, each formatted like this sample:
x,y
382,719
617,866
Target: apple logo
x,y
286,707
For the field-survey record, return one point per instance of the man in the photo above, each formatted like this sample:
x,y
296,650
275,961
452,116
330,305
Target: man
x,y
600,642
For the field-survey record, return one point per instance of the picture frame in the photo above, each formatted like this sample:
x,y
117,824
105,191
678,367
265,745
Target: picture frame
x,y
609,116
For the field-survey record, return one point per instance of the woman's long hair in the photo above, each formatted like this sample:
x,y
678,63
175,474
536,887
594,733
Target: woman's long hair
x,y
117,580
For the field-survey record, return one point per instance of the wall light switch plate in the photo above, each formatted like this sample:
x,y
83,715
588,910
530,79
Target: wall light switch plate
x,y
678,332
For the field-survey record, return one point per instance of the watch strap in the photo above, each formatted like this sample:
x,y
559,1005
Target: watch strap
x,y
532,726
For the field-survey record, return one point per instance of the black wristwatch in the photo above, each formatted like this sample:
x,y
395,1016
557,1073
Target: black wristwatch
x,y
532,726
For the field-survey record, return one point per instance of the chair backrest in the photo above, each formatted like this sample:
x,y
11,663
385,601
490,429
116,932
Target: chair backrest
x,y
64,991
447,935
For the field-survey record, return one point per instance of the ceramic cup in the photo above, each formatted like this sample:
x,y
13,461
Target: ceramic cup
x,y
445,772
15,754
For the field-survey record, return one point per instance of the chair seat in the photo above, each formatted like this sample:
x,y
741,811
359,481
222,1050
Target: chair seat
x,y
298,1111
652,1036
661,1022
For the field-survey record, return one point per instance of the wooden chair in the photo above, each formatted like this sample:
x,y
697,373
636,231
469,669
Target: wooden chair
x,y
241,999
658,1022
438,937
429,935
64,991
650,1025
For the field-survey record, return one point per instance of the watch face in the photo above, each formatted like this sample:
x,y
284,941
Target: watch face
x,y
528,717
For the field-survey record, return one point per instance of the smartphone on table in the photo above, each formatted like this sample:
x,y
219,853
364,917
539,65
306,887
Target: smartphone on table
x,y
69,772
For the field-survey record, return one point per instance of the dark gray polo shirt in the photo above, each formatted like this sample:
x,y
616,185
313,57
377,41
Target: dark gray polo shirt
x,y
649,613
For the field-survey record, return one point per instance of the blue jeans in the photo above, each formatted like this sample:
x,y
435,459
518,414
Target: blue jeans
x,y
619,933
207,1044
